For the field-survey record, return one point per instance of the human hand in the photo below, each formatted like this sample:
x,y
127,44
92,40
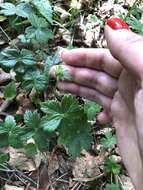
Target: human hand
x,y
127,103
114,78
94,74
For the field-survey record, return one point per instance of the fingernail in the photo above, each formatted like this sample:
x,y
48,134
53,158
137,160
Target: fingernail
x,y
97,117
62,52
60,86
116,23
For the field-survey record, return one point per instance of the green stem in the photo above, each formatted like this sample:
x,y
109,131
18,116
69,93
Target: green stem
x,y
21,23
9,39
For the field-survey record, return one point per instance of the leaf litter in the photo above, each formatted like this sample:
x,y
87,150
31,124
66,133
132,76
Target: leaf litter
x,y
55,170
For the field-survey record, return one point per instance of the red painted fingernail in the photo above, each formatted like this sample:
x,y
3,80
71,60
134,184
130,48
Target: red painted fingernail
x,y
116,23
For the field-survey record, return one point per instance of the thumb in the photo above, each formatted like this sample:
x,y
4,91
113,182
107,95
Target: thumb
x,y
127,48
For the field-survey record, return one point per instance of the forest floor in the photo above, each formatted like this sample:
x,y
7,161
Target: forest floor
x,y
77,23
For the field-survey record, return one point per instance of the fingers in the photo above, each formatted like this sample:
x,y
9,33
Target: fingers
x,y
103,117
125,125
86,92
99,59
94,79
126,47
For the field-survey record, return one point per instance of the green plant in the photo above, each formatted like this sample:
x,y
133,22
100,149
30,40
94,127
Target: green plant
x,y
62,117
10,91
112,187
109,140
111,166
91,108
66,117
133,17
34,12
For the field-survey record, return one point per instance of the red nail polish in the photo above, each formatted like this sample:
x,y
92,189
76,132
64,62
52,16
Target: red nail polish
x,y
116,23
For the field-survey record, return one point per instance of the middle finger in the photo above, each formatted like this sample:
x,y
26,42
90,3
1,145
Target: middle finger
x,y
90,78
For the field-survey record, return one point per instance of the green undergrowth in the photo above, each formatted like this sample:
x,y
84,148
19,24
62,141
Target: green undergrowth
x,y
64,118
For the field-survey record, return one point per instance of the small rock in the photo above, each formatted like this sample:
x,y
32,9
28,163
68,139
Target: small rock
x,y
126,183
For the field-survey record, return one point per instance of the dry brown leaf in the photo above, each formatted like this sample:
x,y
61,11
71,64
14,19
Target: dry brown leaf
x,y
19,160
10,187
86,167
4,77
126,183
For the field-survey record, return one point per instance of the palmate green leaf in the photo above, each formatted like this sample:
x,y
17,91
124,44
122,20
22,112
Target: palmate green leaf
x,y
54,60
69,104
27,57
39,35
51,123
51,107
4,140
31,150
91,108
69,119
75,135
109,140
39,31
135,24
26,133
3,130
4,157
44,8
13,136
42,139
10,122
37,22
9,9
15,140
61,73
35,79
32,119
10,57
136,10
23,10
112,186
111,166
10,91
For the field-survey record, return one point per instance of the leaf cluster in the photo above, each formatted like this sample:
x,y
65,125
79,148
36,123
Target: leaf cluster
x,y
108,141
34,12
133,18
111,166
65,118
69,119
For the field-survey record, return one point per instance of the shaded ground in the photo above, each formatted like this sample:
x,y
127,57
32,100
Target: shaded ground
x,y
80,24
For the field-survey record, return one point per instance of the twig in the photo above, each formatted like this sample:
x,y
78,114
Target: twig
x,y
88,179
75,186
4,105
9,39
10,169
22,175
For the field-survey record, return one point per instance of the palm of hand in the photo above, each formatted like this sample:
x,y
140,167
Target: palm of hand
x,y
125,104
126,108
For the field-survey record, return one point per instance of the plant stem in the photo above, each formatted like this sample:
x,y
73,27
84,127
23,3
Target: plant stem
x,y
9,39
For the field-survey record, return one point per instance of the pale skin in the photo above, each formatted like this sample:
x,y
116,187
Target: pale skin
x,y
114,77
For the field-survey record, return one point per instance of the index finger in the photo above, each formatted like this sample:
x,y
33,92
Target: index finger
x,y
99,59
